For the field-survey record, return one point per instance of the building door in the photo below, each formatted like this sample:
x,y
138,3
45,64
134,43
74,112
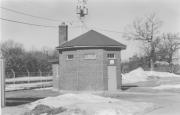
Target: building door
x,y
112,81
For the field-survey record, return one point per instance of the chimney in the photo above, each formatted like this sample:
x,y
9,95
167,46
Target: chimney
x,y
63,33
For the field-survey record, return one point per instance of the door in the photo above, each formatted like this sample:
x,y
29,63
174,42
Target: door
x,y
112,81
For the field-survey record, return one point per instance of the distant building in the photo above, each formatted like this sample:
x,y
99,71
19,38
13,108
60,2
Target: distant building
x,y
91,61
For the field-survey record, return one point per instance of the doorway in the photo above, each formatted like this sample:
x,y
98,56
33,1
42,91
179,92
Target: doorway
x,y
112,80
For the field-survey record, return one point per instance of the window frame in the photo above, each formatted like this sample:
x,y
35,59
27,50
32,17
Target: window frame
x,y
67,57
109,57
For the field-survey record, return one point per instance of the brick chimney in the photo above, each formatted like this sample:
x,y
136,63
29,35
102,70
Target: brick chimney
x,y
63,33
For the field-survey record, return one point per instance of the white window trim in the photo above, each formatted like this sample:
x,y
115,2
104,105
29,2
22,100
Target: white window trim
x,y
68,58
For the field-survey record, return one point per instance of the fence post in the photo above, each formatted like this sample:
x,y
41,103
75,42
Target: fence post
x,y
40,74
28,75
77,80
2,72
14,75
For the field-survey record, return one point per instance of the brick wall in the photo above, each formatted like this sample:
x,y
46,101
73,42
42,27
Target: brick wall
x,y
80,73
86,74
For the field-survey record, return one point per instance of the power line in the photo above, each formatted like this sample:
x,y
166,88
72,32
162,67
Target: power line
x,y
26,14
23,13
107,30
15,21
32,24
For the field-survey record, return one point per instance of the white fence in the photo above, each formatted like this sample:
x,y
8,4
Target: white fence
x,y
29,82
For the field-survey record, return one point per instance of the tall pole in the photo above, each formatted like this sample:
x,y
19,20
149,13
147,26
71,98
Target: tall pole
x,y
14,76
2,73
28,75
82,11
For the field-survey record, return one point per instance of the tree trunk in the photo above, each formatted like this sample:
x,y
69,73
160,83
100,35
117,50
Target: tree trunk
x,y
170,63
152,57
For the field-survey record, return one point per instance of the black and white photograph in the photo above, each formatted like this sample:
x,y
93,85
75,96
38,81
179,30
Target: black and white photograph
x,y
90,57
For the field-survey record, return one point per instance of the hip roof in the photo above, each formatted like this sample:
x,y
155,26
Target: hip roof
x,y
92,39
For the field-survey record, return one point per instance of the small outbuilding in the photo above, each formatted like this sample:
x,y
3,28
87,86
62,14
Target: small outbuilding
x,y
91,61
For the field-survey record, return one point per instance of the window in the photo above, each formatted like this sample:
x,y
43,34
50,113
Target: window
x,y
110,56
89,56
70,57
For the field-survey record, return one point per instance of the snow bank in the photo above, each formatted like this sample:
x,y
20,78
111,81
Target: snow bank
x,y
93,105
136,75
139,75
173,86
161,74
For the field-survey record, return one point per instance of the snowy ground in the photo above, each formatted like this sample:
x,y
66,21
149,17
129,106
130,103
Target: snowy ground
x,y
158,93
87,104
30,78
174,86
21,86
145,103
169,102
139,75
152,79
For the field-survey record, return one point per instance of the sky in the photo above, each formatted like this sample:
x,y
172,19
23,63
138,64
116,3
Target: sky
x,y
114,15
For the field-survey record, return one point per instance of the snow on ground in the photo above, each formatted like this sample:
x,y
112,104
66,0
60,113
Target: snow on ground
x,y
172,86
20,79
161,74
134,76
139,75
11,87
94,105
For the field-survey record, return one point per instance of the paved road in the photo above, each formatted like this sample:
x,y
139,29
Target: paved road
x,y
168,102
170,105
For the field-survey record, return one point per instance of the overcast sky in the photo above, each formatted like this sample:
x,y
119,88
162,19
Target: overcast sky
x,y
112,15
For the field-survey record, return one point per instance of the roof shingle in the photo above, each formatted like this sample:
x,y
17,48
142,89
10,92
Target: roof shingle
x,y
92,39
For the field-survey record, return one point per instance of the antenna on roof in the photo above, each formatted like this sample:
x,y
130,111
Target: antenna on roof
x,y
82,11
81,8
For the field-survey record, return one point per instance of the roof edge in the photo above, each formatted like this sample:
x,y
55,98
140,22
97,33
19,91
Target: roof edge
x,y
71,47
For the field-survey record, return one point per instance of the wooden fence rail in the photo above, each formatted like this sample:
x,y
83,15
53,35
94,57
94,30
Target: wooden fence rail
x,y
28,82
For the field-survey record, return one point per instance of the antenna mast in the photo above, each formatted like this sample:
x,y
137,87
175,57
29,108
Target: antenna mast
x,y
82,11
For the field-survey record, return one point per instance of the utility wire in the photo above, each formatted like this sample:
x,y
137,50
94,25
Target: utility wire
x,y
26,14
32,24
23,13
27,23
39,17
107,30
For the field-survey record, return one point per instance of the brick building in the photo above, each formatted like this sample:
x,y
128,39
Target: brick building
x,y
89,62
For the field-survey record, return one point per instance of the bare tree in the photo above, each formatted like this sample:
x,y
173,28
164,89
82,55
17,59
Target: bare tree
x,y
146,30
168,47
13,53
20,60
